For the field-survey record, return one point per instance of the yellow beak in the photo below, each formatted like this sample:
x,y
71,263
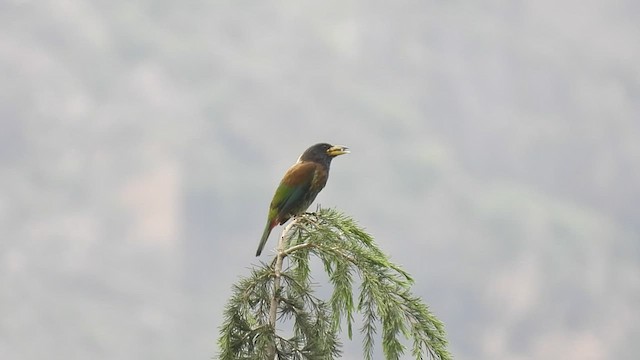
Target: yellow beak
x,y
336,150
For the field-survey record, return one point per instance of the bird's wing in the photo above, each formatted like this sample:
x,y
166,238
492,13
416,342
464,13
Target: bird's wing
x,y
294,185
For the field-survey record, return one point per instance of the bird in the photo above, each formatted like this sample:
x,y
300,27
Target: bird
x,y
300,186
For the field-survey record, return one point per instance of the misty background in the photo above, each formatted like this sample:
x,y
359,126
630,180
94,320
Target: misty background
x,y
495,156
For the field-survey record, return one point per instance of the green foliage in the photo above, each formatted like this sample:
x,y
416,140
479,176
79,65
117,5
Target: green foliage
x,y
345,250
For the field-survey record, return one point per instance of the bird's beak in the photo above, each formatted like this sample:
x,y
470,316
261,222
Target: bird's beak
x,y
336,150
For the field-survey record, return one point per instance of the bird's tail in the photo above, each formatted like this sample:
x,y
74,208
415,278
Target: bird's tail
x,y
265,236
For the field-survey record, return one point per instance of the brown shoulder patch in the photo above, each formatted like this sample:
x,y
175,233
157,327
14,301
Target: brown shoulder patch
x,y
300,173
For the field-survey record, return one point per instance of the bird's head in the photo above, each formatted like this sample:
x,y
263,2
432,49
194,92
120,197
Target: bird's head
x,y
323,152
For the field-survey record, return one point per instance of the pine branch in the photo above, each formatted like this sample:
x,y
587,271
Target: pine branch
x,y
275,298
275,293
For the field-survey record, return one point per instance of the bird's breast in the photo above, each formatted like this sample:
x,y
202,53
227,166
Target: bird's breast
x,y
320,178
